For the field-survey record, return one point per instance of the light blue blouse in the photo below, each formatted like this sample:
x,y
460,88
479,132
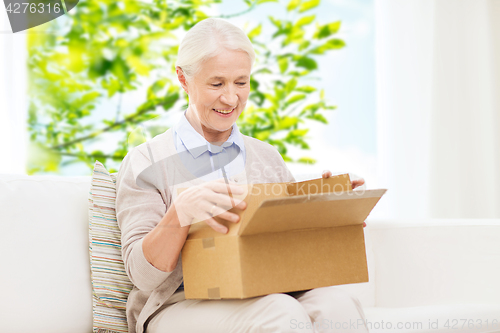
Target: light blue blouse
x,y
205,160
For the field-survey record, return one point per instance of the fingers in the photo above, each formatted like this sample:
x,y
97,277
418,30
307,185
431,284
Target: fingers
x,y
221,187
357,182
224,214
326,174
201,203
224,201
216,226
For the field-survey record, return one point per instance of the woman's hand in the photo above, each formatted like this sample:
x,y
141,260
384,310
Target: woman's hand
x,y
202,202
355,183
162,245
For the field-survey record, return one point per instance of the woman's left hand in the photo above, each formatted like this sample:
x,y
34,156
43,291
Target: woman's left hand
x,y
355,183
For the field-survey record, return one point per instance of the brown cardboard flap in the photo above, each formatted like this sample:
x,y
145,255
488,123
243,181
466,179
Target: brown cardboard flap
x,y
313,258
337,183
255,194
312,211
211,271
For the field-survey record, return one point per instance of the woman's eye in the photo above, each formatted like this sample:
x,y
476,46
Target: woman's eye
x,y
242,83
217,85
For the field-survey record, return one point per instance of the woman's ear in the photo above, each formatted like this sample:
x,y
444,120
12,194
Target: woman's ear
x,y
182,78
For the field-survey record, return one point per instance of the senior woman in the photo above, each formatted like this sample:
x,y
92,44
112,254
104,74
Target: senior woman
x,y
214,65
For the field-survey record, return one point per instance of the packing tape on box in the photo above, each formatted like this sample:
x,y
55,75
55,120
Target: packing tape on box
x,y
213,293
208,243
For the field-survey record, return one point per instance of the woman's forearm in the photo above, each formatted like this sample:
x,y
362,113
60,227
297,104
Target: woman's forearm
x,y
163,244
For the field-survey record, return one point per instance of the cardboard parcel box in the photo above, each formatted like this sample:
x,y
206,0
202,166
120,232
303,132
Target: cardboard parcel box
x,y
291,236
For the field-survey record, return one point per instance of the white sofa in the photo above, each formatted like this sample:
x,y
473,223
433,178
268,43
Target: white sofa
x,y
422,272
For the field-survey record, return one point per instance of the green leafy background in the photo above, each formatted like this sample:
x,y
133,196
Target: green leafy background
x,y
104,50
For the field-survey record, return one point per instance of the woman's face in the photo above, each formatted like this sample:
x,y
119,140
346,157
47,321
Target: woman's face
x,y
218,93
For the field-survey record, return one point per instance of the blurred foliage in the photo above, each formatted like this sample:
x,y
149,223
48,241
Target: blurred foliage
x,y
103,49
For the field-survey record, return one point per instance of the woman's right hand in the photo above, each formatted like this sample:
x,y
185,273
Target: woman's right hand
x,y
197,203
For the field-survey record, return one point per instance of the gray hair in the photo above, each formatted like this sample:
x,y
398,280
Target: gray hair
x,y
207,39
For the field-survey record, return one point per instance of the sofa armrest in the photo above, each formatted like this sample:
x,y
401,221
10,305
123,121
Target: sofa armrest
x,y
436,261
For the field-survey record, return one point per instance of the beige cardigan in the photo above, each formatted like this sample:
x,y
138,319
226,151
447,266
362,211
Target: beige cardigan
x,y
140,206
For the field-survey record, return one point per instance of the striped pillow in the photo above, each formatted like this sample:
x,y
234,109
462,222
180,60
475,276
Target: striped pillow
x,y
110,283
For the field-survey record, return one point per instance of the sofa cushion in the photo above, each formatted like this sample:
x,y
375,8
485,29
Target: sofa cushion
x,y
436,261
110,283
457,318
45,272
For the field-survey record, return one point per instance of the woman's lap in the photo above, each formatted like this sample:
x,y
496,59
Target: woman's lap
x,y
331,309
316,310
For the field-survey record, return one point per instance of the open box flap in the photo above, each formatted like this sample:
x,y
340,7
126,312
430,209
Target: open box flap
x,y
337,183
255,194
311,211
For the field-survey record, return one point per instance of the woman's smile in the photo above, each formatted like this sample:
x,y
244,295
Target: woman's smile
x,y
224,112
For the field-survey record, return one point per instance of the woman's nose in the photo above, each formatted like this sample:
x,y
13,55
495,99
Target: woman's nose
x,y
229,97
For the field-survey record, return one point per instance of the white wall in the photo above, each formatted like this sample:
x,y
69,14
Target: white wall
x,y
438,110
13,98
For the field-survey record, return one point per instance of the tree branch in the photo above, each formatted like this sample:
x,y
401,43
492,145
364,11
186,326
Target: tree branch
x,y
118,107
96,133
91,155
